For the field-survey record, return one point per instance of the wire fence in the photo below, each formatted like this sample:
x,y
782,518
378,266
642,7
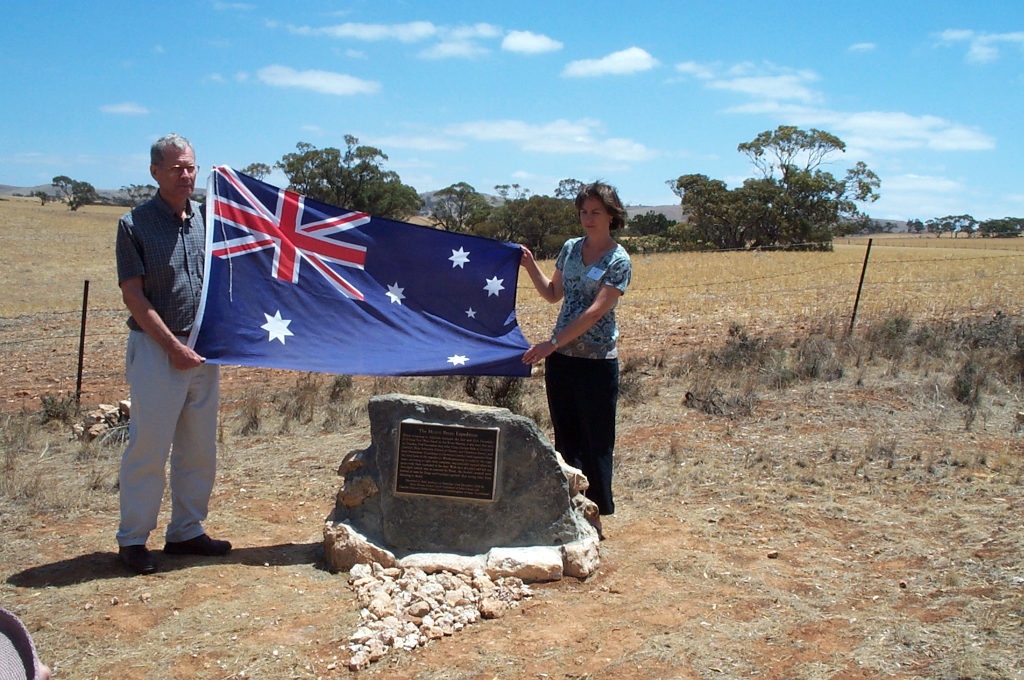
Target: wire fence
x,y
674,299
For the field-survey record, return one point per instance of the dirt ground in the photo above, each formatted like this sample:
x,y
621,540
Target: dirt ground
x,y
847,528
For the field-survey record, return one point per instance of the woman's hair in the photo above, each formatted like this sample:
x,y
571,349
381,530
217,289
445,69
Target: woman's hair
x,y
608,197
156,152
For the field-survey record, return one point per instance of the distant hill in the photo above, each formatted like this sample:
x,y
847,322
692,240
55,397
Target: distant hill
x,y
112,195
8,190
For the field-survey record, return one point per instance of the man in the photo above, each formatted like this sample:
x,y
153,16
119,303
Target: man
x,y
174,393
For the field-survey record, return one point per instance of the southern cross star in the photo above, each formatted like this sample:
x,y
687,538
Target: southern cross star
x,y
471,313
395,293
458,360
494,286
459,258
276,327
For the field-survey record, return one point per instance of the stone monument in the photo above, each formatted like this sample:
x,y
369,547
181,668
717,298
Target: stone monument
x,y
460,487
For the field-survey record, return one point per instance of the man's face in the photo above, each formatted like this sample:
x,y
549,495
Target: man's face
x,y
176,174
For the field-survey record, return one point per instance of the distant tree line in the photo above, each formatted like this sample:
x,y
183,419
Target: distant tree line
x,y
76,193
790,203
965,225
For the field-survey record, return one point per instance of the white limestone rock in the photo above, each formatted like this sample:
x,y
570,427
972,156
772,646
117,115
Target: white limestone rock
x,y
432,563
344,547
581,558
537,563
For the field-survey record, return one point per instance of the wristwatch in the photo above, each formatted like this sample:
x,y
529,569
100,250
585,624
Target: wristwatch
x,y
554,341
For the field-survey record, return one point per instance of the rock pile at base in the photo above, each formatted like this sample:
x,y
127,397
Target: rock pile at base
x,y
404,608
102,420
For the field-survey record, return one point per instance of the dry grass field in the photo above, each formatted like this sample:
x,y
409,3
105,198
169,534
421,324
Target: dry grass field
x,y
794,502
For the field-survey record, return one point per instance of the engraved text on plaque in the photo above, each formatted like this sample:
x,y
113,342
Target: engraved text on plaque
x,y
446,460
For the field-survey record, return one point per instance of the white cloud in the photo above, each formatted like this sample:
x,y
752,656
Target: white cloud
x,y
913,196
702,71
773,88
418,143
880,131
473,31
449,49
454,42
461,42
631,60
862,47
787,95
325,82
559,137
125,109
35,158
412,31
527,42
767,82
955,35
892,131
982,47
921,184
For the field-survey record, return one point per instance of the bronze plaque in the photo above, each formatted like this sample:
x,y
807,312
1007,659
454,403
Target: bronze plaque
x,y
446,460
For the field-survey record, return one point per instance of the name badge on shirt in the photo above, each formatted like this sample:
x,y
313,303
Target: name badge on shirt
x,y
595,273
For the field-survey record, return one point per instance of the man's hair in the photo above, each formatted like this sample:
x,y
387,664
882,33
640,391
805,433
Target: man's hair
x,y
608,197
156,152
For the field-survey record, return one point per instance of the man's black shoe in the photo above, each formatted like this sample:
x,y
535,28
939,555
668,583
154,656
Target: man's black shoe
x,y
200,545
137,559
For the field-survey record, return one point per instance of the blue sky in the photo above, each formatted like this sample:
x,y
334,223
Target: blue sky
x,y
929,94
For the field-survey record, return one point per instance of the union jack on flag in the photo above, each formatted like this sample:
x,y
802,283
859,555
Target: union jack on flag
x,y
291,282
293,237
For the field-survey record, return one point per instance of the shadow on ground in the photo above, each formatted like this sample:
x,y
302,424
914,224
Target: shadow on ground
x,y
105,565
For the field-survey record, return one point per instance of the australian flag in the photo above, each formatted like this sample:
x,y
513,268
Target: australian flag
x,y
295,283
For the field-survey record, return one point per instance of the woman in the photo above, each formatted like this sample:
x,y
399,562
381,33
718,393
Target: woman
x,y
582,368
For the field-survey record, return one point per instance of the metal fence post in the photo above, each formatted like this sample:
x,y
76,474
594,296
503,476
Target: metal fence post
x,y
81,345
860,286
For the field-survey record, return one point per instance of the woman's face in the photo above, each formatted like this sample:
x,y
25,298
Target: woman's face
x,y
594,217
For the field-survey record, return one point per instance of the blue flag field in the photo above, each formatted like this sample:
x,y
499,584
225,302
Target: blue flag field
x,y
294,283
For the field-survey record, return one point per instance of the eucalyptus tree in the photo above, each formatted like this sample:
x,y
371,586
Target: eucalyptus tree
x,y
459,207
257,170
353,179
792,202
74,192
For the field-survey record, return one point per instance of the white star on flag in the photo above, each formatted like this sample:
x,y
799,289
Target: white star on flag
x,y
458,360
493,286
276,327
459,258
396,293
471,313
